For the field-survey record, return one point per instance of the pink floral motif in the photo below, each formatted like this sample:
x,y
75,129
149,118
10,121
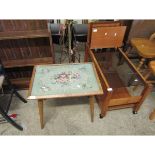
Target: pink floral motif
x,y
64,78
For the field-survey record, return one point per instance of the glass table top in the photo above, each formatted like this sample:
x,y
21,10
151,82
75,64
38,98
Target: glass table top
x,y
65,80
118,72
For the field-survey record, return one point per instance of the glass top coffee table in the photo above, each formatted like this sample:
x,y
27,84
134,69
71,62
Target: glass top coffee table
x,y
64,80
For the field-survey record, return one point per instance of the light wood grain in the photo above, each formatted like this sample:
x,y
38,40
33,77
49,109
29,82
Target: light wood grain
x,y
152,115
144,94
119,97
41,113
145,47
152,66
97,25
107,37
91,101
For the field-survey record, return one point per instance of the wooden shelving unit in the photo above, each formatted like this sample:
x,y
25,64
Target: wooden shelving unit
x,y
24,43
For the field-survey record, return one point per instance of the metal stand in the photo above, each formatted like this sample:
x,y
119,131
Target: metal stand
x,y
4,114
69,50
4,111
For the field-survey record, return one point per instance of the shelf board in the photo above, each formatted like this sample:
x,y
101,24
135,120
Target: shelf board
x,y
20,83
24,34
27,62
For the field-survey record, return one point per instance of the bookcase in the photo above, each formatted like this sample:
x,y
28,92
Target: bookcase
x,y
23,44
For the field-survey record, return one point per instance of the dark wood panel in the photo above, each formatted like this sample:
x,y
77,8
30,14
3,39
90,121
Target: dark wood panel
x,y
27,62
23,34
21,83
22,25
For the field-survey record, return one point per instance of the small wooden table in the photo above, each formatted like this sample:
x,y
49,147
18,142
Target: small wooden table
x,y
64,80
145,48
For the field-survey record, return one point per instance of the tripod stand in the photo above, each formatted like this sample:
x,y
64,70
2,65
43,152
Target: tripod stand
x,y
68,47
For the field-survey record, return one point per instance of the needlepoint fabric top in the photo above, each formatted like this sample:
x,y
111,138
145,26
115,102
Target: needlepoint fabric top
x,y
65,80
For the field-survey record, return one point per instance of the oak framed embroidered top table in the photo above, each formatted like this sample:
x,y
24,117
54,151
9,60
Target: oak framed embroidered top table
x,y
64,80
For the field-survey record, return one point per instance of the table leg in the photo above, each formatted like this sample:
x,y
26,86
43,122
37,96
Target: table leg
x,y
141,63
146,77
86,53
40,107
91,101
152,115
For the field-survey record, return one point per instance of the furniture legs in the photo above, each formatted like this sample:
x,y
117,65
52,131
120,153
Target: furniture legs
x,y
4,114
103,111
41,113
91,101
121,60
20,97
40,107
105,103
147,75
145,92
141,63
152,115
86,54
13,90
128,50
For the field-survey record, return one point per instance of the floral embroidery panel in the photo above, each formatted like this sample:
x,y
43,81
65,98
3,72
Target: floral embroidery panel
x,y
64,79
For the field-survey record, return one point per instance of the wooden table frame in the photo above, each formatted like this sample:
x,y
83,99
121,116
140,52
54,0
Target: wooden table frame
x,y
41,110
42,98
103,37
106,104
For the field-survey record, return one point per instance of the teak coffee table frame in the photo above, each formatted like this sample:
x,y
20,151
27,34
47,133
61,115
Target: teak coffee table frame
x,y
102,36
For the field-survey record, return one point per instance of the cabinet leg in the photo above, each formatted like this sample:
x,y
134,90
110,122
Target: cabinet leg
x,y
141,63
40,107
131,80
101,116
152,115
86,53
91,101
134,112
